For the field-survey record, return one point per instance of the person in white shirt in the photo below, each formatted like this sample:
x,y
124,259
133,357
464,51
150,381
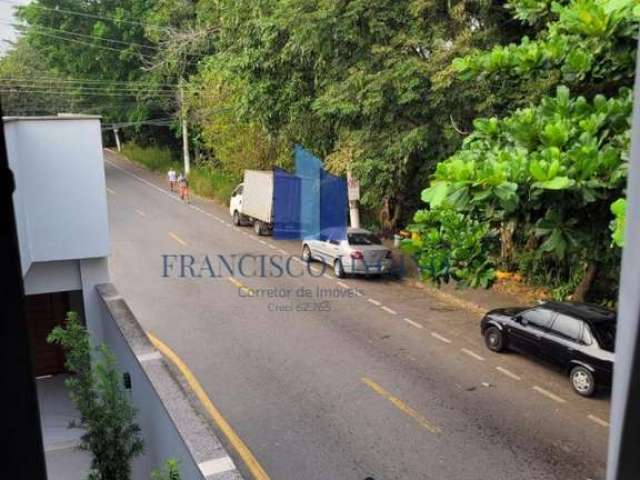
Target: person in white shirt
x,y
171,176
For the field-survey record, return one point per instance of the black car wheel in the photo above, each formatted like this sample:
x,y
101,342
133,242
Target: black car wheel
x,y
257,227
494,339
582,381
306,253
236,218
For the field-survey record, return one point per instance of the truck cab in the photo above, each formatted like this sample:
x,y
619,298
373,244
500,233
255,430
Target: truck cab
x,y
235,205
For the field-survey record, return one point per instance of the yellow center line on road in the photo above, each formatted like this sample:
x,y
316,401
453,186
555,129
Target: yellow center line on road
x,y
243,451
240,286
177,239
403,407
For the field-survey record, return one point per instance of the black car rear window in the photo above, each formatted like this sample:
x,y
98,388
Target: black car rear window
x,y
605,333
363,239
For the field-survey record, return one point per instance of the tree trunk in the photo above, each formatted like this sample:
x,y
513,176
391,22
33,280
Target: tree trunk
x,y
390,214
584,286
507,228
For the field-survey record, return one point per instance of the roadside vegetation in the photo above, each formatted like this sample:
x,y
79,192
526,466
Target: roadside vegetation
x,y
204,180
497,131
111,435
157,159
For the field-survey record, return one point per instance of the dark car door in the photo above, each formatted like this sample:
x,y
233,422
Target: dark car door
x,y
526,331
562,342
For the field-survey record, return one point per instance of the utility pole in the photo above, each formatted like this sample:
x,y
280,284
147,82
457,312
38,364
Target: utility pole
x,y
185,131
115,132
353,190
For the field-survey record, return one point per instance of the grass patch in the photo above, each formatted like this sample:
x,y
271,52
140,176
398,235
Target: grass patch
x,y
210,183
154,158
203,180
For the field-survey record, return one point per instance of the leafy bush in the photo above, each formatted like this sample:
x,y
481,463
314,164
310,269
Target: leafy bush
x,y
111,434
549,177
551,171
585,41
451,246
618,208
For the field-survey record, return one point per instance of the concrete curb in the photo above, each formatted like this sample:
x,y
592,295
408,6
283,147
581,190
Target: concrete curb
x,y
191,438
446,297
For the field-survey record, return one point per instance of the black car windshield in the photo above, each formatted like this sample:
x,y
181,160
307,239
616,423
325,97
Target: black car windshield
x,y
605,332
363,239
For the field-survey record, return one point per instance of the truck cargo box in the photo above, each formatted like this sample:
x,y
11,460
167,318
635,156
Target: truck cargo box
x,y
257,196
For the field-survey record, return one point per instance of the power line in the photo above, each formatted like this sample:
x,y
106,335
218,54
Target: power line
x,y
33,29
140,122
89,15
103,47
84,91
80,87
4,89
37,27
88,80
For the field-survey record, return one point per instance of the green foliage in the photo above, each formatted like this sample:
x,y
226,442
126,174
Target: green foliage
x,y
74,339
555,164
564,151
204,179
212,183
233,144
357,80
619,209
588,42
154,158
450,246
107,416
171,471
21,62
90,47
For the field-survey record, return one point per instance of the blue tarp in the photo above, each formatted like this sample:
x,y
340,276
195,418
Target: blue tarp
x,y
310,203
333,205
286,205
308,168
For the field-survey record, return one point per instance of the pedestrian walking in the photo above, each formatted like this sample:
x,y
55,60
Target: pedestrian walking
x,y
171,176
183,183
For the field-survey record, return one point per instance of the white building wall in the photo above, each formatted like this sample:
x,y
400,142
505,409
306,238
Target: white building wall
x,y
60,200
18,202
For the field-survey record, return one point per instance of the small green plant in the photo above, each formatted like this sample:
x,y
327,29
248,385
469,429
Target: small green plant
x,y
107,416
451,246
171,471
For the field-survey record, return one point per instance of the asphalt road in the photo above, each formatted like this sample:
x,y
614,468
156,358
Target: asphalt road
x,y
390,383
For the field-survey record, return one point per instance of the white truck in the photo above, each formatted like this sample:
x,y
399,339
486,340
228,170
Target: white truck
x,y
252,201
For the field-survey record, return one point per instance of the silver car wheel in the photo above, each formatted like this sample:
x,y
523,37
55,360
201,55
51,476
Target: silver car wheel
x,y
581,381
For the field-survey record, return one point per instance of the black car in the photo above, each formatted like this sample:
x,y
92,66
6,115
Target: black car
x,y
577,336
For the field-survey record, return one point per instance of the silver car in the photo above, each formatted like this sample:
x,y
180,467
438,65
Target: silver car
x,y
360,253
